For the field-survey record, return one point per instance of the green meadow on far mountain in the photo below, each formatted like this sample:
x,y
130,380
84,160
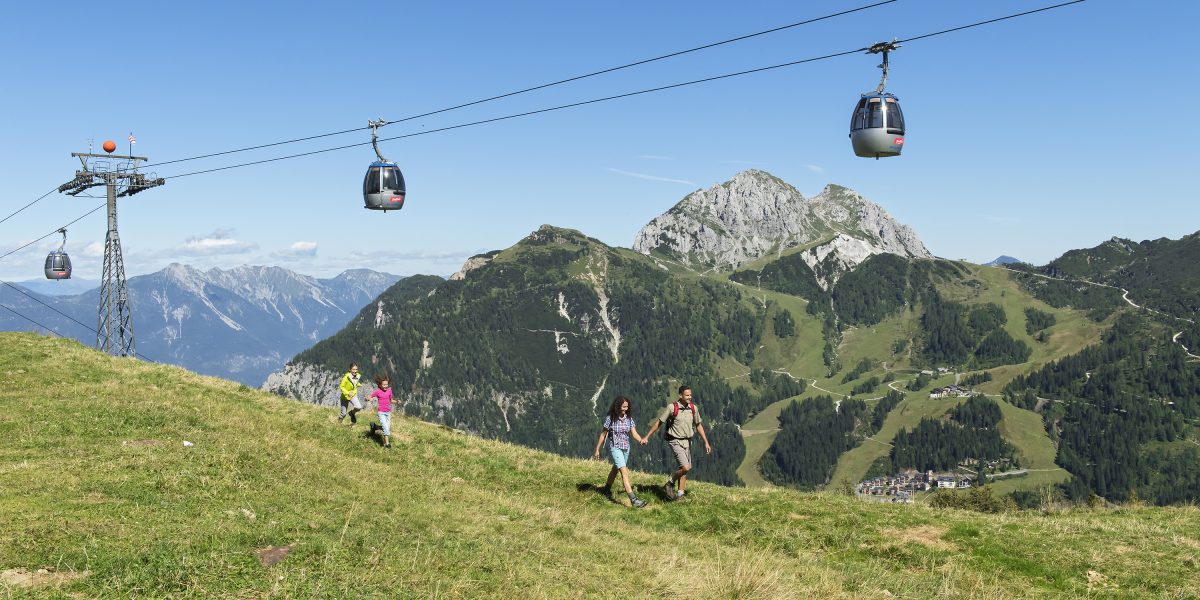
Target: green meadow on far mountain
x,y
102,498
877,343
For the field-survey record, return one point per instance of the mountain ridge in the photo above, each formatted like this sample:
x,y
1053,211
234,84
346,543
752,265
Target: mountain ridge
x,y
241,323
756,214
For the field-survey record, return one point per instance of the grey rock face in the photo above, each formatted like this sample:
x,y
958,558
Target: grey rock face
x,y
306,383
756,214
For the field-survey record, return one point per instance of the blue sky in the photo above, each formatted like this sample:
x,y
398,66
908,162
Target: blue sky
x,y
1029,137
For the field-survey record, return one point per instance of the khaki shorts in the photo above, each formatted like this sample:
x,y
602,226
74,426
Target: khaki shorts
x,y
682,451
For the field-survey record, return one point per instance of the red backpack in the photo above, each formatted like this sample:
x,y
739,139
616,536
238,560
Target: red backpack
x,y
675,413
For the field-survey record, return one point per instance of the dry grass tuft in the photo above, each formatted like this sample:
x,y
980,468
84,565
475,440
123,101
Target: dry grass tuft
x,y
925,535
41,577
745,577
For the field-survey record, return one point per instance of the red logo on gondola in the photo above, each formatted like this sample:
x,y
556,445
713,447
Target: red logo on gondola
x,y
898,141
397,198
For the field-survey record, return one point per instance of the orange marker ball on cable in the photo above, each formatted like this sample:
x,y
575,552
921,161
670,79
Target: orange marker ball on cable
x,y
109,146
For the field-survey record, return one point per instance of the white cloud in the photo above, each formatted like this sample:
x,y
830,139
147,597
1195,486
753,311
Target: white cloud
x,y
218,242
297,250
652,177
94,249
815,168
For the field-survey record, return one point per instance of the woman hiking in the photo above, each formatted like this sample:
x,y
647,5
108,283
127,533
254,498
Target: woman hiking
x,y
618,424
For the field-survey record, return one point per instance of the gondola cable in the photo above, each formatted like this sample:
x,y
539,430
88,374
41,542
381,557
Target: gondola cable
x,y
52,331
56,230
540,86
39,199
619,96
481,122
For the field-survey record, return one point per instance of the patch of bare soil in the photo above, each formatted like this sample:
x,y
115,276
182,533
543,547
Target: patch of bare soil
x,y
41,577
272,554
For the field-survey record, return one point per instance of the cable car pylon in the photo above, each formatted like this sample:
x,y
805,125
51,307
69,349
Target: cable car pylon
x,y
119,174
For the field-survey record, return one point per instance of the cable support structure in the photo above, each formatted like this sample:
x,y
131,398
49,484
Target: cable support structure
x,y
540,86
619,96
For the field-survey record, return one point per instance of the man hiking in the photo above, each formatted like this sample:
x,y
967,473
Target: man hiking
x,y
680,420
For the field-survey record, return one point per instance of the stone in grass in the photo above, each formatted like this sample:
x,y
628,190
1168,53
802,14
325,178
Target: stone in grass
x,y
272,554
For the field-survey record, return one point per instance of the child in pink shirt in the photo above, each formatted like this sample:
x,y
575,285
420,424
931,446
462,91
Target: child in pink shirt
x,y
383,396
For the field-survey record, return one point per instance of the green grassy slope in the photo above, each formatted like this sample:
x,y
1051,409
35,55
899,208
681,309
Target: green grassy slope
x,y
100,491
801,357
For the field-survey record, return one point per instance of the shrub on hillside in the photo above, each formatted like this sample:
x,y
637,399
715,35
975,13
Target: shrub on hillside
x,y
980,499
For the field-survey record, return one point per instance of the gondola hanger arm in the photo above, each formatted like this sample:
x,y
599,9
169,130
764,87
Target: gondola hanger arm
x,y
375,125
883,48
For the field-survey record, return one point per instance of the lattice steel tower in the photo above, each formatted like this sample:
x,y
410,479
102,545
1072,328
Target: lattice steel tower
x,y
119,175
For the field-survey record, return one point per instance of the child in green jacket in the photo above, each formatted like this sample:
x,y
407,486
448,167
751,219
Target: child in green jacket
x,y
349,390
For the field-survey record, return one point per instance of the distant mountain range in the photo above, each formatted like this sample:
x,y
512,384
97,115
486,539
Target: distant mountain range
x,y
63,287
239,324
1002,260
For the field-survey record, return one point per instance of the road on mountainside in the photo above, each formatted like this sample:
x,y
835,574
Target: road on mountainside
x,y
1124,296
1022,472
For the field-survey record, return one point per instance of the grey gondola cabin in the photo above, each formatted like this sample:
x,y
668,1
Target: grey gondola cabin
x,y
877,126
383,187
58,265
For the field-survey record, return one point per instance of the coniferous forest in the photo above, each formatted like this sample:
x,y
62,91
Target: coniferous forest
x,y
1123,413
971,432
812,435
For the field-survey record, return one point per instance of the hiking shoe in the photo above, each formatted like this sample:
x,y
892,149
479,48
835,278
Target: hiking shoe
x,y
679,496
670,487
353,418
341,418
637,503
606,492
373,426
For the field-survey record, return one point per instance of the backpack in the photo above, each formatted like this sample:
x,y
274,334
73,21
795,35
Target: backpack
x,y
671,419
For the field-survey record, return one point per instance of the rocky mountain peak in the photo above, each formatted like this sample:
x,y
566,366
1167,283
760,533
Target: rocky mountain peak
x,y
728,224
756,214
852,213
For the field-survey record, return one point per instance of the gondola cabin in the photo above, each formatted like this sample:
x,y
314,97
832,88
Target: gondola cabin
x,y
877,126
58,265
383,187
